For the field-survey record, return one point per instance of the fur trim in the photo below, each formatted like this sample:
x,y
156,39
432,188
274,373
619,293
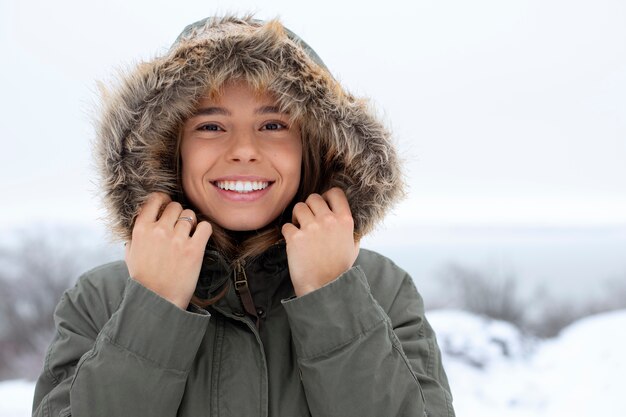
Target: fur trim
x,y
138,126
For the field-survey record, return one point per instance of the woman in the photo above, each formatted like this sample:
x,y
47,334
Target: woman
x,y
242,177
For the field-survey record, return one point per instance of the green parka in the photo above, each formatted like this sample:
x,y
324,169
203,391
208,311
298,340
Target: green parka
x,y
359,346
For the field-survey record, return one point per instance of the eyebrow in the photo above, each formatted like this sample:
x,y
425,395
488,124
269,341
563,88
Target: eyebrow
x,y
267,109
209,111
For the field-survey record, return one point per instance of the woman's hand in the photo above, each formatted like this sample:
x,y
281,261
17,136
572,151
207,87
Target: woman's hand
x,y
320,242
163,255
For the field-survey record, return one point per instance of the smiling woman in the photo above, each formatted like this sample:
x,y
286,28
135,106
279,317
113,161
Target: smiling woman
x,y
242,176
241,158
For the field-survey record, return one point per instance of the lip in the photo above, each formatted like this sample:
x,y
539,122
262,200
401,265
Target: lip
x,y
241,178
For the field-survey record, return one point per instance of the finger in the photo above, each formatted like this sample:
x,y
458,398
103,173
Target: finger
x,y
149,211
301,214
317,204
186,221
171,214
337,201
203,232
288,230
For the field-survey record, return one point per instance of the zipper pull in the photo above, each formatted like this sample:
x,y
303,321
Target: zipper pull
x,y
243,291
241,281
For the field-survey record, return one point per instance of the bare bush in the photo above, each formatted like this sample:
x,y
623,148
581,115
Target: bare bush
x,y
556,314
488,294
541,315
35,268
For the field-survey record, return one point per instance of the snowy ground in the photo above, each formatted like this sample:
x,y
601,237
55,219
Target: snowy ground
x,y
495,371
16,398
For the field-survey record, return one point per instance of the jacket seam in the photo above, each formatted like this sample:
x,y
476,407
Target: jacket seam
x,y
430,367
216,367
406,363
46,407
413,287
413,374
49,372
151,361
448,398
346,343
88,355
406,276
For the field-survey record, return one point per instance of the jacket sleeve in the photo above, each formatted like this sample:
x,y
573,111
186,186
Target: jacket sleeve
x,y
363,356
124,354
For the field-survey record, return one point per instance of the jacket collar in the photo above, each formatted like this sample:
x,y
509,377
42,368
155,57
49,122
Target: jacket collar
x,y
262,270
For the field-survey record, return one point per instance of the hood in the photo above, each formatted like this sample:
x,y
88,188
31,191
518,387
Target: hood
x,y
141,114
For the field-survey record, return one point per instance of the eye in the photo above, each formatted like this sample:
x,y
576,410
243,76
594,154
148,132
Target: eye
x,y
210,127
274,126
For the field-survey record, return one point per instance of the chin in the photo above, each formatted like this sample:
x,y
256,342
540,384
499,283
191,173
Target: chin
x,y
243,226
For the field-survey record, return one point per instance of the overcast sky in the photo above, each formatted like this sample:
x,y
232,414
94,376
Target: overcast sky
x,y
507,112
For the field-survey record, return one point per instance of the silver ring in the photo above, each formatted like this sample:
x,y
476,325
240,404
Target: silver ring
x,y
187,219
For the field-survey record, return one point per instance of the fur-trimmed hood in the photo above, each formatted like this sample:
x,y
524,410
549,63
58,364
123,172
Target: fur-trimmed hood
x,y
140,117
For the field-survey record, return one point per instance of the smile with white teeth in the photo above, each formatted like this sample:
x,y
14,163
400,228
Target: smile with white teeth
x,y
242,186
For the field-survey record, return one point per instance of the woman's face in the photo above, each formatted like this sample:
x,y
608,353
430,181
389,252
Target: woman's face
x,y
241,158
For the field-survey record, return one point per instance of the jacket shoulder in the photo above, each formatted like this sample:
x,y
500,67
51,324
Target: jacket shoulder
x,y
106,277
369,259
96,295
107,281
385,278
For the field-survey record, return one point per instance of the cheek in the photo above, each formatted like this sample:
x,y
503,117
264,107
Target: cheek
x,y
185,176
297,156
187,183
190,171
295,165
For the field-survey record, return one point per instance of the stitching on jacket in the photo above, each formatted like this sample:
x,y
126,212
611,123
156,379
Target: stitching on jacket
x,y
419,386
448,398
395,297
46,407
49,372
406,404
88,355
346,343
47,368
406,362
158,365
430,368
421,331
217,360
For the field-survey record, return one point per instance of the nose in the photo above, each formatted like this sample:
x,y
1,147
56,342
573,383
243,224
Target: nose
x,y
243,148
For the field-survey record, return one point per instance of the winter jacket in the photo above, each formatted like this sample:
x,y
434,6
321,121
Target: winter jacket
x,y
359,346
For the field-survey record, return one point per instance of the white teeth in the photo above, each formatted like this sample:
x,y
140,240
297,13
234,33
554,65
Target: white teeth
x,y
242,186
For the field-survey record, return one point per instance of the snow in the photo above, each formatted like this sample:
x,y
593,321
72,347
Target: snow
x,y
16,398
496,371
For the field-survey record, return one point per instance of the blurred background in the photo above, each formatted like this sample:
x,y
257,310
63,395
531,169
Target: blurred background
x,y
510,116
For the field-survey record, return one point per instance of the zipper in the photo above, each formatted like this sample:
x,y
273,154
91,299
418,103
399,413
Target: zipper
x,y
243,291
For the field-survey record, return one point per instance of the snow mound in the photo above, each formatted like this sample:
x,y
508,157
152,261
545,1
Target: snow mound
x,y
477,341
580,373
583,369
16,398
